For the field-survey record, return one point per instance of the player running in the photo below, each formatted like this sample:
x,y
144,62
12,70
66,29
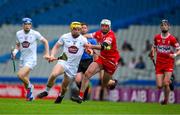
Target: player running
x,y
27,45
107,60
73,44
163,46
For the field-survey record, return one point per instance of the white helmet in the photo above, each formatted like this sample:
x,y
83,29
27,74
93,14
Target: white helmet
x,y
106,22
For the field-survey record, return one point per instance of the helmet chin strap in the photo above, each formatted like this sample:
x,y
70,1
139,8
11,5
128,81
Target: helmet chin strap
x,y
104,33
164,31
75,36
26,31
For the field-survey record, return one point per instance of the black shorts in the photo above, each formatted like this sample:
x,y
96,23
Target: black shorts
x,y
84,64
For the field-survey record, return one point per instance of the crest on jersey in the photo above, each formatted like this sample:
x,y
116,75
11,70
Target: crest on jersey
x,y
108,40
25,44
73,49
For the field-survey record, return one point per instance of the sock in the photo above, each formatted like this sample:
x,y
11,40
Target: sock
x,y
48,88
86,93
165,99
59,95
81,94
29,85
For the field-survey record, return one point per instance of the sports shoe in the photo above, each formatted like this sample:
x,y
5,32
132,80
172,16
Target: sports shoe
x,y
29,96
171,85
42,94
59,99
77,99
164,102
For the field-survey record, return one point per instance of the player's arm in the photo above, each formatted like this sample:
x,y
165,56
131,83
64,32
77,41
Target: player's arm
x,y
103,46
175,54
54,51
46,45
176,45
90,46
95,56
152,52
16,49
153,49
88,35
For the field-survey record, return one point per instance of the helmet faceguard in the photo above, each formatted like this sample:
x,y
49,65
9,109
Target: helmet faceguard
x,y
106,22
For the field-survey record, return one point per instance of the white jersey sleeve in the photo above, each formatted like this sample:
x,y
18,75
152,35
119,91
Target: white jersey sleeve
x,y
38,35
17,40
61,39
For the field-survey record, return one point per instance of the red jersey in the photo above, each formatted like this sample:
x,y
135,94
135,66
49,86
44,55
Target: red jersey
x,y
110,38
164,47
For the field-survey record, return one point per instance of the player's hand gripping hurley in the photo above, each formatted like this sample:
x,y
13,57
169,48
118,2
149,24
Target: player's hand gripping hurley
x,y
151,56
13,59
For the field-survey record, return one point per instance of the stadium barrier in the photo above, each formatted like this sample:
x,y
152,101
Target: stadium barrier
x,y
18,91
150,95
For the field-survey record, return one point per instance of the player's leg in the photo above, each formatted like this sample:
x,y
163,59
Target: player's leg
x,y
159,81
75,91
57,70
23,75
166,83
159,75
101,92
92,69
85,66
78,79
76,85
106,78
172,80
64,86
86,92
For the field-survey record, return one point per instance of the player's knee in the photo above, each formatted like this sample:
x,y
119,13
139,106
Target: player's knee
x,y
78,79
166,83
88,74
20,75
103,85
53,75
159,86
64,88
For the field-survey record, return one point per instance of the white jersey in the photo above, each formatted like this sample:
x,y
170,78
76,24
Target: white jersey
x,y
28,44
73,48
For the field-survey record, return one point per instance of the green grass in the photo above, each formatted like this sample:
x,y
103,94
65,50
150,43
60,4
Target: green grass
x,y
20,106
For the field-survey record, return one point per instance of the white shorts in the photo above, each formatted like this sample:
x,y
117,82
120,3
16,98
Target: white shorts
x,y
29,63
70,70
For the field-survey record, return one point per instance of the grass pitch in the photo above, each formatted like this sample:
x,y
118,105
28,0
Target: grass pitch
x,y
20,106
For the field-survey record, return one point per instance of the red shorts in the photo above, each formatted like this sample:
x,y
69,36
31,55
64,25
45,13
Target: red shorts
x,y
108,66
161,68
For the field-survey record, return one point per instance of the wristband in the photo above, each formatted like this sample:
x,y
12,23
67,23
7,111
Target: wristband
x,y
15,52
175,54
